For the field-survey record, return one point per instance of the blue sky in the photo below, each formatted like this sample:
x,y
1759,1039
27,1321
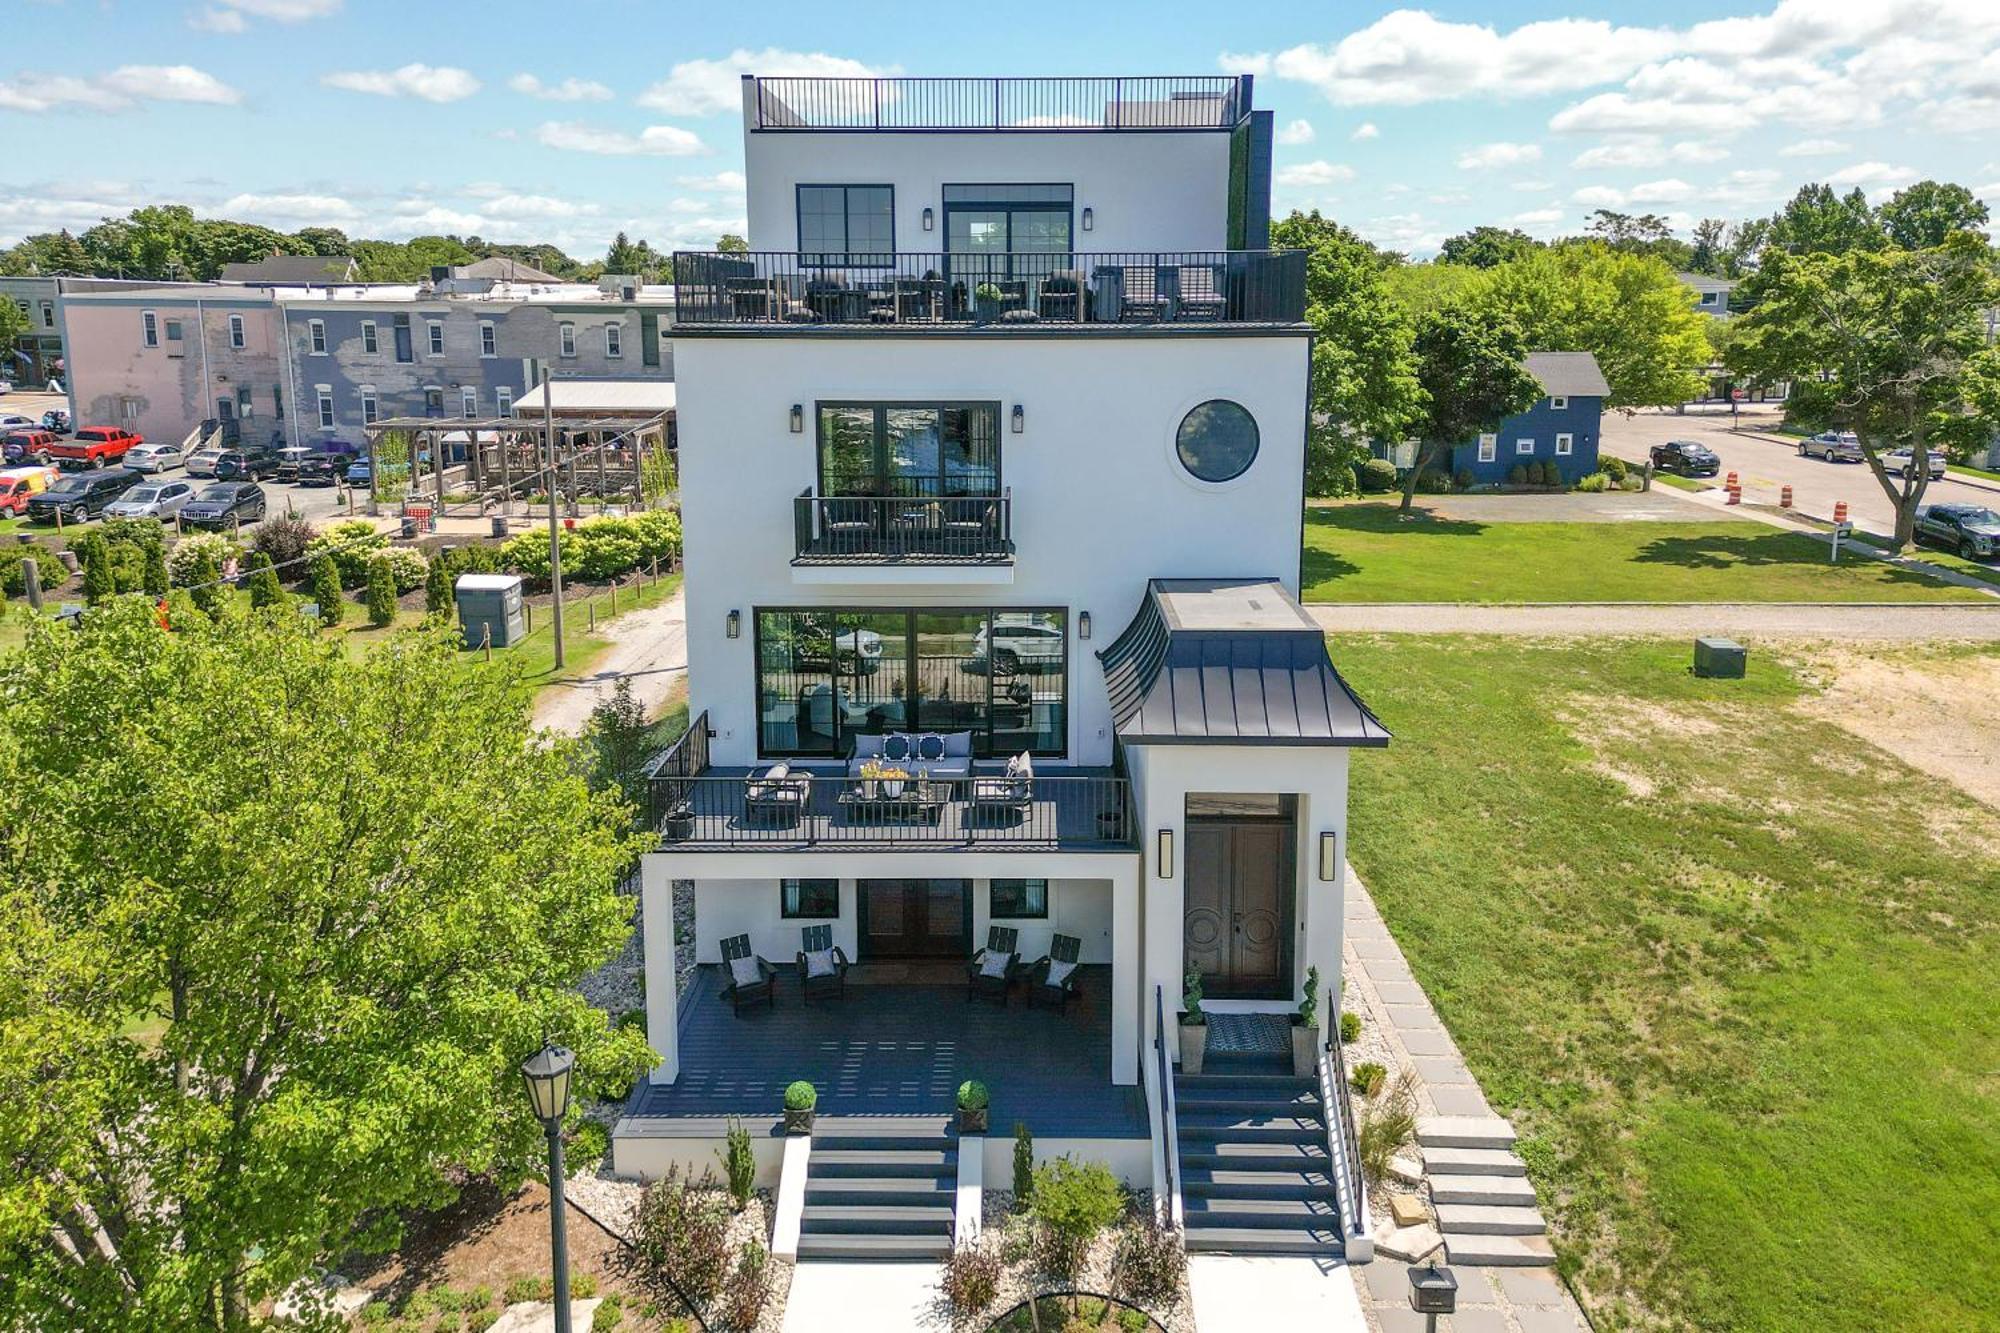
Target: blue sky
x,y
571,122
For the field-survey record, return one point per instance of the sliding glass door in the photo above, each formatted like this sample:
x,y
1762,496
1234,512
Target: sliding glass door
x,y
998,233
909,450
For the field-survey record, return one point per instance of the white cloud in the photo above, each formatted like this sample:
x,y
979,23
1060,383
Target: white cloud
x,y
292,210
1405,233
218,20
534,206
1306,175
1365,130
1645,151
569,90
1488,157
1668,191
653,141
1538,217
431,83
713,87
721,181
1295,133
1874,177
1600,196
1813,148
115,91
233,15
1618,113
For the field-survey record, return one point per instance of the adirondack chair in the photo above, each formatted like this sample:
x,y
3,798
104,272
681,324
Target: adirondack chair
x,y
992,970
1053,979
750,978
817,954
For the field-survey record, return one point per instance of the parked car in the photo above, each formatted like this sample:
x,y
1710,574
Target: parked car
x,y
82,495
152,499
6,386
359,471
1899,461
1971,530
201,463
1020,644
1835,446
15,421
223,503
96,446
1690,458
320,470
154,458
290,460
21,484
28,446
57,420
253,463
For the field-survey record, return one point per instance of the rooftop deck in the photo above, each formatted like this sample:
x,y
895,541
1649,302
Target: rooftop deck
x,y
1044,105
898,1050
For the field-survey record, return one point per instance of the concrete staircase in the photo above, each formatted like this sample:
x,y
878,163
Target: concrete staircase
x,y
879,1189
1479,1188
1255,1175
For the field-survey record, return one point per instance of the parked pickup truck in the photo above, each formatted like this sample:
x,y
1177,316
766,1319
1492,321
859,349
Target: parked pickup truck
x,y
95,446
1971,530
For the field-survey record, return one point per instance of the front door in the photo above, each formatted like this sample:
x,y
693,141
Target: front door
x,y
1240,884
916,918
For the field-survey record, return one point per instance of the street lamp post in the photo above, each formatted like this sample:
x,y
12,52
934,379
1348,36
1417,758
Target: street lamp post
x,y
547,1073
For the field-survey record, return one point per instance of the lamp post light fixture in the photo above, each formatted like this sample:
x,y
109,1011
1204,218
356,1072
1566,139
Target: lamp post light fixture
x,y
1329,864
1164,854
798,418
1019,418
733,624
547,1073
1433,1291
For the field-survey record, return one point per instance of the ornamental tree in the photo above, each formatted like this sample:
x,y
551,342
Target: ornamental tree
x,y
281,926
1469,365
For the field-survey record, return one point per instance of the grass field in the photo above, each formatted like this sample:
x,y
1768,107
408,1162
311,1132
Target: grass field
x,y
1362,552
1731,970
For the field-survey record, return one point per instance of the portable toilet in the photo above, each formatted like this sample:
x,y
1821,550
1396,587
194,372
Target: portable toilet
x,y
491,603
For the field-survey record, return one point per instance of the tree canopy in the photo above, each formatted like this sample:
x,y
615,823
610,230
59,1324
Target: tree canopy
x,y
1487,247
1929,213
280,927
1469,366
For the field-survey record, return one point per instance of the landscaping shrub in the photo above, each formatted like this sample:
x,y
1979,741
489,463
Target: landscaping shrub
x,y
211,594
659,533
1614,468
1517,475
1073,1202
262,581
1132,1321
587,1147
1375,475
739,1163
408,567
326,590
800,1096
609,1315
1366,1078
187,554
1387,1125
1149,1263
15,582
381,597
970,1281
1350,1027
479,559
528,1288
600,548
680,1234
143,533
284,537
100,583
154,578
478,1321
747,1290
1024,1165
438,583
1433,482
1463,479
352,545
1595,483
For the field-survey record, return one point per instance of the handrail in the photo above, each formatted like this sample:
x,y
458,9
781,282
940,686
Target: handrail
x,y
668,773
1016,104
1342,1138
1170,1152
968,529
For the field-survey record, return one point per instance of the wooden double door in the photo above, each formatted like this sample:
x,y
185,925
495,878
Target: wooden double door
x,y
915,918
1241,887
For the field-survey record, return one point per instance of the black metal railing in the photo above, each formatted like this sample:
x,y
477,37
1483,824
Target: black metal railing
x,y
930,289
802,810
1030,105
946,529
1343,1139
669,771
1170,1148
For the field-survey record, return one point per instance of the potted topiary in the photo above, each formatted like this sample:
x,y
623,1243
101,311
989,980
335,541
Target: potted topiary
x,y
1305,1029
986,298
972,1107
1194,1023
800,1098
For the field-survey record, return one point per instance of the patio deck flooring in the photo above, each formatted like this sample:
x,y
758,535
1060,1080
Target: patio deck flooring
x,y
900,1050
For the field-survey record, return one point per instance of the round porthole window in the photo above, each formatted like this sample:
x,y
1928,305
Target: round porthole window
x,y
1217,440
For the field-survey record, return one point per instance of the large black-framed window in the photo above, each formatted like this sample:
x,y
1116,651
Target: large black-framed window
x,y
987,226
809,898
849,225
909,449
827,674
1026,899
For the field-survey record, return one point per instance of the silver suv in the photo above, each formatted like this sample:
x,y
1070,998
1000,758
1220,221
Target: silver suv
x,y
1835,446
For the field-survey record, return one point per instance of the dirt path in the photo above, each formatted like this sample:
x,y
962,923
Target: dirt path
x,y
1940,715
1903,623
648,648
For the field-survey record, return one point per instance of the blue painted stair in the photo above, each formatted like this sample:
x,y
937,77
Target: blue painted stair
x,y
1255,1174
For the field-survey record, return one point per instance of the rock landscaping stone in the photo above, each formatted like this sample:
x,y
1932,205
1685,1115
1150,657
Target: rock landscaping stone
x,y
1407,1170
1408,1210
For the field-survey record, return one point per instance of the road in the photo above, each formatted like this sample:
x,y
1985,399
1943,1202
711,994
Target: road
x,y
1892,624
648,649
1764,464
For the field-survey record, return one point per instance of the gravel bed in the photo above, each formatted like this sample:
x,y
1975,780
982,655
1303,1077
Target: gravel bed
x,y
613,1202
1008,1233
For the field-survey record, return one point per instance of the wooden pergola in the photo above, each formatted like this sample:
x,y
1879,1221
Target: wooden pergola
x,y
505,456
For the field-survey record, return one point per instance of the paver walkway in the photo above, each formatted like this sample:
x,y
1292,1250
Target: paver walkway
x,y
833,1297
648,648
1736,619
1244,1293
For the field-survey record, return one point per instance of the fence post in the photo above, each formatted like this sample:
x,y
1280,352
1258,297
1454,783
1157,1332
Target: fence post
x,y
486,640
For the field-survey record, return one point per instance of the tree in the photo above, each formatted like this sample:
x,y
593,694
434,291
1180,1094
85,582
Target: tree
x,y
1487,247
326,590
1889,344
155,581
440,593
1927,213
1470,367
100,581
210,593
1362,381
617,742
46,255
729,243
381,594
329,241
1422,288
1710,247
262,581
626,256
1639,234
1818,221
285,926
13,323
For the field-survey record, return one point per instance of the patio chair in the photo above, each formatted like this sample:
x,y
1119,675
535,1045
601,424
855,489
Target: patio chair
x,y
1010,794
1201,293
847,524
822,964
991,971
1062,291
750,978
1053,979
1147,294
777,794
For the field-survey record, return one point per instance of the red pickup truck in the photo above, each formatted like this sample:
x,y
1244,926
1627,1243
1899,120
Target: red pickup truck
x,y
95,446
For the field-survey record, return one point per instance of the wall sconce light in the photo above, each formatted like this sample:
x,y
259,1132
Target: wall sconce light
x,y
1083,624
1329,865
1019,419
1164,856
798,419
927,219
1089,219
734,624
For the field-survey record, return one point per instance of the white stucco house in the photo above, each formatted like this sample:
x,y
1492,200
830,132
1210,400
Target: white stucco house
x,y
992,459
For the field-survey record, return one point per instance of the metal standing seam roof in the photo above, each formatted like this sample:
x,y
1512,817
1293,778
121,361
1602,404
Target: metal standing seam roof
x,y
1230,662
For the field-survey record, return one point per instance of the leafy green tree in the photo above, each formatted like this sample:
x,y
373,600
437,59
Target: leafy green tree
x,y
627,256
1639,234
1818,221
262,581
1889,344
618,742
1710,246
205,585
286,926
1362,380
46,254
13,323
326,590
439,580
329,241
1923,216
155,579
1422,288
1627,310
1487,247
100,580
729,243
381,594
1469,364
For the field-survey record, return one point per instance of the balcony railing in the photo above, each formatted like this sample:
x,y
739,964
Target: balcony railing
x,y
871,529
999,291
1016,105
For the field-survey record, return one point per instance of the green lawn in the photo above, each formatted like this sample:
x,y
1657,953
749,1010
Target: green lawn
x,y
1362,552
1738,998
1967,470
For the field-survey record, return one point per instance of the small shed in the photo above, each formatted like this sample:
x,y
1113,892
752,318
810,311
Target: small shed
x,y
491,604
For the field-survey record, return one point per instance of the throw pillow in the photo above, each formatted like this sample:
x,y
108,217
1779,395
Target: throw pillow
x,y
931,747
743,971
1059,971
896,747
820,963
993,964
1017,767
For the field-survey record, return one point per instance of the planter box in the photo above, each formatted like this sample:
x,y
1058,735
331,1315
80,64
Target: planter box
x,y
1194,1046
973,1122
798,1122
1305,1049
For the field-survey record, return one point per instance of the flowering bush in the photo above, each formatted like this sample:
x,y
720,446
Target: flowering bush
x,y
600,548
407,567
186,556
352,545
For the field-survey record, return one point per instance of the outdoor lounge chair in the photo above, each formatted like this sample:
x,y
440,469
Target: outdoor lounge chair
x,y
1201,295
777,794
1010,794
1053,979
822,963
991,971
748,977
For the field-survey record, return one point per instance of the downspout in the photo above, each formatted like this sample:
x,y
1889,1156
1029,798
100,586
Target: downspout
x,y
291,370
201,332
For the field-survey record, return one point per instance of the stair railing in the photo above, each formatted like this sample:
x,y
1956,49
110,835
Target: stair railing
x,y
1343,1144
1170,1148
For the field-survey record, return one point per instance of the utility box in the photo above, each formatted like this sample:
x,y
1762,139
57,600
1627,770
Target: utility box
x,y
1720,659
491,604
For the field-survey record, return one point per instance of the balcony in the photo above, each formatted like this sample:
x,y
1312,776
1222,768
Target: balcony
x,y
916,530
1014,105
998,293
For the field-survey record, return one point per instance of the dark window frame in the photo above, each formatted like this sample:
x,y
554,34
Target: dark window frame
x,y
1023,886
882,408
843,258
1256,441
990,205
790,890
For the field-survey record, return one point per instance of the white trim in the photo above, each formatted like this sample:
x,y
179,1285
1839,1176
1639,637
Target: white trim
x,y
236,332
968,1200
1173,432
614,341
1558,403
790,1205
1524,447
503,401
316,336
1565,444
371,341
1489,448
434,337
489,339
468,401
566,339
371,408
